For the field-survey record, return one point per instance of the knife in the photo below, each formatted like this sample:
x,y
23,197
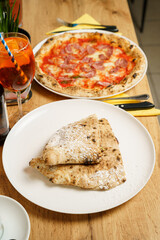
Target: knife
x,y
104,29
136,106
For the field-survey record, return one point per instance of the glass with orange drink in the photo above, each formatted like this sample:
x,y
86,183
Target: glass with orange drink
x,y
10,77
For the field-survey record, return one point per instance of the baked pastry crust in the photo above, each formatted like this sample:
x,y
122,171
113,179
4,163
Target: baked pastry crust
x,y
108,173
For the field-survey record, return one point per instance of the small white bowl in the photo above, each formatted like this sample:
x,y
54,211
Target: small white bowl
x,y
14,218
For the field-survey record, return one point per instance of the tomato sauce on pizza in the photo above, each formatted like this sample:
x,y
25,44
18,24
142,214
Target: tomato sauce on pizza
x,y
90,62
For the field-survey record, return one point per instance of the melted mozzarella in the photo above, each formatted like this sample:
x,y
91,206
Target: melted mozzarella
x,y
117,51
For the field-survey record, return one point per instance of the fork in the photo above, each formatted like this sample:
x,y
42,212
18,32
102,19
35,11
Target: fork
x,y
137,97
68,24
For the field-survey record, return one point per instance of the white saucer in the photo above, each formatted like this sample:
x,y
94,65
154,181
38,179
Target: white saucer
x,y
14,219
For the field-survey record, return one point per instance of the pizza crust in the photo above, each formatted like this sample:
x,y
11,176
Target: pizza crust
x,y
77,91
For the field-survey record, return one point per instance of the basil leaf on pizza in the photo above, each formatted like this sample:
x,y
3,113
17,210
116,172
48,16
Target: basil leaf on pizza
x,y
89,64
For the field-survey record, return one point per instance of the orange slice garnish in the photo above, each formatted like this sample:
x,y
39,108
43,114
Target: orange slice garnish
x,y
22,58
11,43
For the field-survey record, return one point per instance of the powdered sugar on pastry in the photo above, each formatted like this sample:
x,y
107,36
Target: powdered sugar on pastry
x,y
107,179
75,143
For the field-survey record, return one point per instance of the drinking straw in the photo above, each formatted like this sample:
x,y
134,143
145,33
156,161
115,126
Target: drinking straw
x,y
13,59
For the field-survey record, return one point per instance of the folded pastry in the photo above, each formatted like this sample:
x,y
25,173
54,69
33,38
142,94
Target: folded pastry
x,y
108,173
75,143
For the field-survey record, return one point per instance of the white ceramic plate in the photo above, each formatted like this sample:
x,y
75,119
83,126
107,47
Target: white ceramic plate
x,y
38,46
14,218
28,137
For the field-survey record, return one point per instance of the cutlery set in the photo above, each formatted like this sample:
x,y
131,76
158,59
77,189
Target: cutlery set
x,y
125,106
110,28
133,106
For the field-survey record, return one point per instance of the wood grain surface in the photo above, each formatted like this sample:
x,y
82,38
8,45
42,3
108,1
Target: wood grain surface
x,y
137,219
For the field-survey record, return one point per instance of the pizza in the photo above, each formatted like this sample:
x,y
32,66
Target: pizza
x,y
89,64
107,173
75,143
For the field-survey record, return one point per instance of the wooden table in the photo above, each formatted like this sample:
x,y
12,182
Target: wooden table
x,y
137,219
